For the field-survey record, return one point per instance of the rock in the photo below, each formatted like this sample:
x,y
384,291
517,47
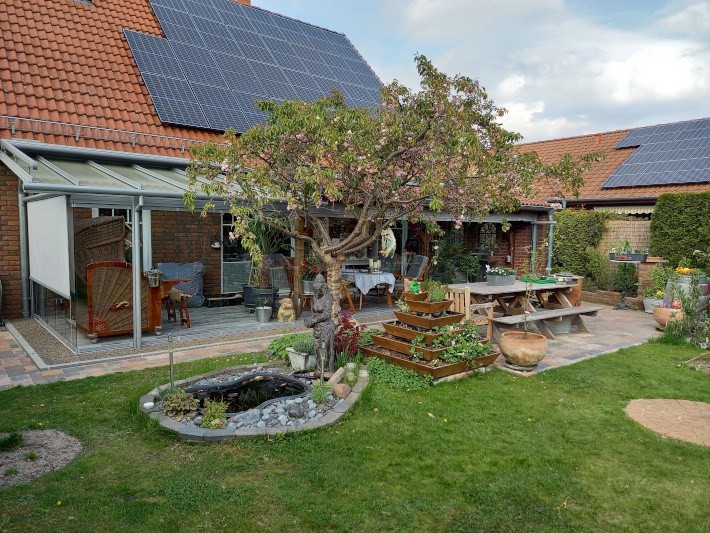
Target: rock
x,y
289,402
350,376
311,404
261,424
280,411
341,390
265,416
260,369
295,411
231,425
248,417
298,400
148,405
363,373
198,421
312,413
283,419
350,367
318,416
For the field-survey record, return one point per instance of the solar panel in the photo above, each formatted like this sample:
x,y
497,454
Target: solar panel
x,y
668,154
221,56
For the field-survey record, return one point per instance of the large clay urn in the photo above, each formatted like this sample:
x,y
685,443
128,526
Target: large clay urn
x,y
522,350
665,315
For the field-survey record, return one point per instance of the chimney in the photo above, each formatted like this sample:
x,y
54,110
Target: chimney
x,y
245,2
599,138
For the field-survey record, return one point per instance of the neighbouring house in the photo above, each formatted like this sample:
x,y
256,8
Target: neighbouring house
x,y
101,101
640,164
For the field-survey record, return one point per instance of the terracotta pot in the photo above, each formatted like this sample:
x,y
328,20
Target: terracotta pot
x,y
664,315
522,351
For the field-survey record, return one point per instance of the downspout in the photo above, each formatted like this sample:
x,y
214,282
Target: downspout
x,y
136,269
24,256
551,216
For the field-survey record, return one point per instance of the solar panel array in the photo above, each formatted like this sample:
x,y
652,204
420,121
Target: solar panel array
x,y
220,57
671,154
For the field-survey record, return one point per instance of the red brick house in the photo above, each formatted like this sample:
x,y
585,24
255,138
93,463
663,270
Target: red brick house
x,y
640,164
102,99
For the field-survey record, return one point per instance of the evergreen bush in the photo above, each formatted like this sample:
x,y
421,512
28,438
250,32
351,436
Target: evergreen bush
x,y
680,225
575,236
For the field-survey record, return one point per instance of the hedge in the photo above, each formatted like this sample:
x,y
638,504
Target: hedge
x,y
681,224
574,233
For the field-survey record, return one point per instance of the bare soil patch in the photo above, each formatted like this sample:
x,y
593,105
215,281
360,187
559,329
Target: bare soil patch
x,y
54,450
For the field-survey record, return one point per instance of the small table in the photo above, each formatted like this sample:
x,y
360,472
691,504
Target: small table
x,y
623,305
166,286
365,281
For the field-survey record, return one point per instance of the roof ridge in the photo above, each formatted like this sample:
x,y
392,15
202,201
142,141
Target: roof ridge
x,y
290,18
577,136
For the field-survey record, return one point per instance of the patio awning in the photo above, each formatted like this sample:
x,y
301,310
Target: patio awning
x,y
626,209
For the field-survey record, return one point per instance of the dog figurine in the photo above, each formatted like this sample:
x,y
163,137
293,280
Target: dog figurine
x,y
286,312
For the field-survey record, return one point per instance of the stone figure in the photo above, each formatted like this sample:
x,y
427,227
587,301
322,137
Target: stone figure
x,y
286,312
389,243
322,323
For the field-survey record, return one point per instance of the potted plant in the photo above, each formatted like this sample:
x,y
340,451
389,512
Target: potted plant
x,y
266,241
302,354
523,350
435,303
664,313
501,276
651,299
262,310
655,280
310,268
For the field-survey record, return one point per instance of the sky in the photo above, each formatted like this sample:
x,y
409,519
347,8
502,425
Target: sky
x,y
560,67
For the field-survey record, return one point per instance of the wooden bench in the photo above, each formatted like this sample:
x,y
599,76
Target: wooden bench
x,y
547,314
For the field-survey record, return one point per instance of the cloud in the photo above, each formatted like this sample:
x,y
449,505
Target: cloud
x,y
553,65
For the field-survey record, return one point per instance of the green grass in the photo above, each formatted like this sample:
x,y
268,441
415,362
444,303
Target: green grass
x,y
555,452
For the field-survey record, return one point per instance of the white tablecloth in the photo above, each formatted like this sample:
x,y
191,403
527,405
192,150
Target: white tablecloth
x,y
365,281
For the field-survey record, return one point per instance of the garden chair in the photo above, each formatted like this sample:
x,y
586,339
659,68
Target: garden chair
x,y
415,271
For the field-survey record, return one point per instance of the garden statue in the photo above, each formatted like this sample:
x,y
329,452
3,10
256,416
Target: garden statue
x,y
389,243
286,312
322,323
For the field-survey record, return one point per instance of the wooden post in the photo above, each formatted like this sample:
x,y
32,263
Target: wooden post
x,y
297,262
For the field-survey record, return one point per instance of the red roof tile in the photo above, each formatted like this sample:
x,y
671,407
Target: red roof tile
x,y
550,151
78,50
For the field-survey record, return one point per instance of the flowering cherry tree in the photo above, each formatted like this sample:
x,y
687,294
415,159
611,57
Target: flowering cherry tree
x,y
440,149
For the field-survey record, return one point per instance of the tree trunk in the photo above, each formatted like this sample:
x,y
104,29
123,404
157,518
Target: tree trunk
x,y
335,276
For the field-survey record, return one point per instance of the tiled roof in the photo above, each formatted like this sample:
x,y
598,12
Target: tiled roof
x,y
550,151
67,62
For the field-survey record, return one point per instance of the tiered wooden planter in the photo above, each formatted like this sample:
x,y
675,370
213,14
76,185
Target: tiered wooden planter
x,y
395,347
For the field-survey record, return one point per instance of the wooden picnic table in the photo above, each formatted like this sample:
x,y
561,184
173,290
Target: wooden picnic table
x,y
513,302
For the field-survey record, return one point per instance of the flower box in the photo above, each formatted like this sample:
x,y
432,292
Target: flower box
x,y
501,280
397,330
429,307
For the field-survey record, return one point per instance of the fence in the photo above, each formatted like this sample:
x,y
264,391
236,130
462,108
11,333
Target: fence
x,y
637,232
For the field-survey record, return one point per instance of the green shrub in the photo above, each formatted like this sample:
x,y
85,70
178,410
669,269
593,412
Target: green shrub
x,y
277,347
367,336
382,372
213,414
12,441
575,233
320,393
680,225
598,268
656,279
631,278
304,344
181,405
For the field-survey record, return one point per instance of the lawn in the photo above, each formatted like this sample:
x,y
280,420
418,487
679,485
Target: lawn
x,y
555,452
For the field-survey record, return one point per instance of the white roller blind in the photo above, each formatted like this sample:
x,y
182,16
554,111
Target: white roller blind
x,y
48,237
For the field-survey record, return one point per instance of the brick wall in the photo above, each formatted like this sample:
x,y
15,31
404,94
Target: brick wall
x,y
180,237
10,245
610,298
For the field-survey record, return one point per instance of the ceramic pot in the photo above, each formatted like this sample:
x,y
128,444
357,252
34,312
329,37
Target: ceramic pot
x,y
501,280
684,282
522,349
665,315
650,303
301,361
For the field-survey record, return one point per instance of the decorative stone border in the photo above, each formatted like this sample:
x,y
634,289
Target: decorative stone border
x,y
198,434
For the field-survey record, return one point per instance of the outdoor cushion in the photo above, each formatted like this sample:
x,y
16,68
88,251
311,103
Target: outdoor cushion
x,y
195,272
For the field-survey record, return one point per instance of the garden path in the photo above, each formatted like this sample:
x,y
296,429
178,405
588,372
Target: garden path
x,y
610,331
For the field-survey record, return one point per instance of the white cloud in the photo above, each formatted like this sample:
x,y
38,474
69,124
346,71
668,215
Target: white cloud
x,y
553,65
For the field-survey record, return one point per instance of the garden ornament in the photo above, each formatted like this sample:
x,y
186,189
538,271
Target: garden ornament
x,y
322,323
389,243
286,312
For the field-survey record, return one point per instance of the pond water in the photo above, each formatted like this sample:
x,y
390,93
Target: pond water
x,y
251,391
